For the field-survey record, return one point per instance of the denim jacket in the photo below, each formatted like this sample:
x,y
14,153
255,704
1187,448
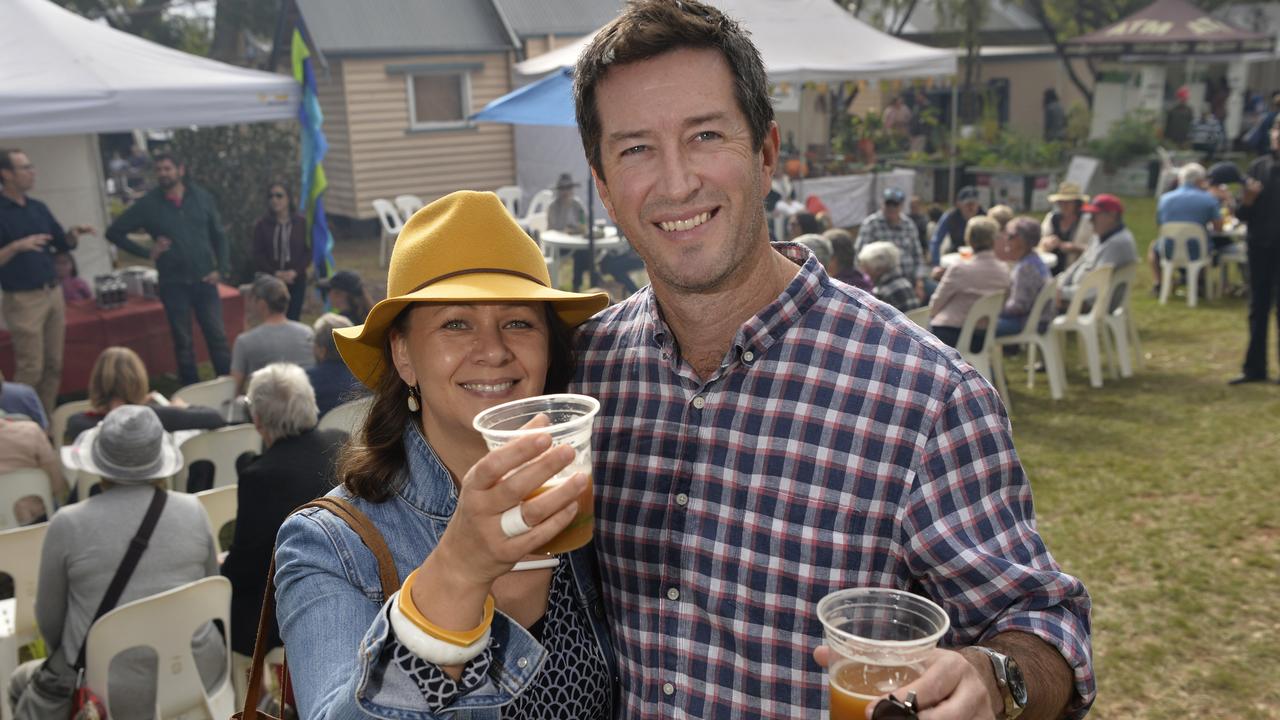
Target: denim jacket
x,y
333,615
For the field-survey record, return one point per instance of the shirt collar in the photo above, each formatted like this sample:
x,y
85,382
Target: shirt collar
x,y
425,483
764,328
1112,233
6,201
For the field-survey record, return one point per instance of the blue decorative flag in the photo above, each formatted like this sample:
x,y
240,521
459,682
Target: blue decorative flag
x,y
314,148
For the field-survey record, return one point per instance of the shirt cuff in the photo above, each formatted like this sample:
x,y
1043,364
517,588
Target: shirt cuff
x,y
438,689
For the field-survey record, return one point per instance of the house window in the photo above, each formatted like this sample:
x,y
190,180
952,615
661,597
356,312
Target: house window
x,y
438,100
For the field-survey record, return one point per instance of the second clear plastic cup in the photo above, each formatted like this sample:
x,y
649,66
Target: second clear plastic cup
x,y
571,419
878,638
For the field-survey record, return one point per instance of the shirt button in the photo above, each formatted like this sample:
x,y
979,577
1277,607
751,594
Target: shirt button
x,y
666,356
699,402
748,356
673,594
522,663
668,689
682,499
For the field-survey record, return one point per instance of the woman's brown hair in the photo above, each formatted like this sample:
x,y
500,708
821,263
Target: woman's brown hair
x,y
118,374
370,465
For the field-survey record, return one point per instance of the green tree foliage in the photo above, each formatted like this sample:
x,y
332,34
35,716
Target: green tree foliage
x,y
176,24
237,163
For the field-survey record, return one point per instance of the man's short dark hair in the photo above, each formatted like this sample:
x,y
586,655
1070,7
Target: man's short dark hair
x,y
273,292
169,155
649,28
6,160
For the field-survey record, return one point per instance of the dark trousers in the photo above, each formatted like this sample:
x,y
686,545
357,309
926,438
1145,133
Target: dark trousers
x,y
616,265
297,296
1264,272
951,336
180,300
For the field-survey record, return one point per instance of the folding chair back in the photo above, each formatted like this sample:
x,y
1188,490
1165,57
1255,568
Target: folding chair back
x,y
348,416
511,197
1184,245
216,393
408,205
220,504
220,447
18,484
61,414
20,560
166,623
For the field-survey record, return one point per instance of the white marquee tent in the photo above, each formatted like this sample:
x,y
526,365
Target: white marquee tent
x,y
799,41
61,73
805,41
64,78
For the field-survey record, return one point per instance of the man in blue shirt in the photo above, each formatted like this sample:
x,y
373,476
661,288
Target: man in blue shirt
x,y
19,399
1189,202
33,306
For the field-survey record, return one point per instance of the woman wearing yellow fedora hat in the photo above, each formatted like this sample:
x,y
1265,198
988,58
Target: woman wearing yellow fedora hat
x,y
1066,231
470,321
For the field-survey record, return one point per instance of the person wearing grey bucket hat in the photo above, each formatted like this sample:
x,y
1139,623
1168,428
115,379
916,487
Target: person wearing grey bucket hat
x,y
85,545
129,447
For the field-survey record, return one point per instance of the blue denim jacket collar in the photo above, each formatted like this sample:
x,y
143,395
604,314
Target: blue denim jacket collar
x,y
435,494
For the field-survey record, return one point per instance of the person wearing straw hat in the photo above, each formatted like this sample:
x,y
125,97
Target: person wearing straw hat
x,y
86,543
1067,231
470,321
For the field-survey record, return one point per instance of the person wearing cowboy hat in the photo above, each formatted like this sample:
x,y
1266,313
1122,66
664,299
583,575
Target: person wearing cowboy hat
x,y
470,321
86,543
1066,231
566,212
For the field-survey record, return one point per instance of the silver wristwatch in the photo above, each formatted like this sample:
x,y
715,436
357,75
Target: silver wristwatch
x,y
1009,679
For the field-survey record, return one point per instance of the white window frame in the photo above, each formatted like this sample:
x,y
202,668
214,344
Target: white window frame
x,y
464,77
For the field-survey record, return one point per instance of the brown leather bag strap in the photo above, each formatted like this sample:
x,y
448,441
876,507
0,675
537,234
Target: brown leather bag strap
x,y
369,535
387,574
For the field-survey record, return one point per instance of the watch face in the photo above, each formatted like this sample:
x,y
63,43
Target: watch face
x,y
1017,687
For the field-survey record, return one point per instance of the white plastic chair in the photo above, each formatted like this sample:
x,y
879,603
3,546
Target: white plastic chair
x,y
1046,342
392,224
511,197
61,414
919,316
1095,286
18,484
166,623
19,559
539,203
408,205
1185,245
220,447
1122,335
216,393
220,504
989,361
348,416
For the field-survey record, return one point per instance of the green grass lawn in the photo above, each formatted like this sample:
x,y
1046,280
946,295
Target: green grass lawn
x,y
1161,493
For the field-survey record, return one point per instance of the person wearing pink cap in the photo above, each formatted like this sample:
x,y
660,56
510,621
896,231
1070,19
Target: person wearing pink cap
x,y
1115,246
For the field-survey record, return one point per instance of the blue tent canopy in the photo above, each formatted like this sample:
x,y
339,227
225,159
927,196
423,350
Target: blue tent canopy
x,y
548,101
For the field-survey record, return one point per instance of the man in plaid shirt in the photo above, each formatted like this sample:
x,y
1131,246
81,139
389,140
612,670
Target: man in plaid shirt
x,y
889,224
768,436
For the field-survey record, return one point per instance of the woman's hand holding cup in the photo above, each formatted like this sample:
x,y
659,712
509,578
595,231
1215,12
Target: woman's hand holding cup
x,y
476,549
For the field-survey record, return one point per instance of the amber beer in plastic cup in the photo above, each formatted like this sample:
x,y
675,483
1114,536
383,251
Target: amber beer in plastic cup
x,y
571,417
878,638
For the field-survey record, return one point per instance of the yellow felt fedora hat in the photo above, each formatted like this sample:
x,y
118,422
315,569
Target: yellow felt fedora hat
x,y
464,247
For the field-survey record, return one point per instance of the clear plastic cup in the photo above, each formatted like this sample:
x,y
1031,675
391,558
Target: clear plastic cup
x,y
571,419
878,638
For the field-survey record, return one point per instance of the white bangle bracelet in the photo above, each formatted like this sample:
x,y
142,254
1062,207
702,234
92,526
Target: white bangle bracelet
x,y
429,648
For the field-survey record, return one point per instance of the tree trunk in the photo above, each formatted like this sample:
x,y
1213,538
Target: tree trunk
x,y
1037,9
229,22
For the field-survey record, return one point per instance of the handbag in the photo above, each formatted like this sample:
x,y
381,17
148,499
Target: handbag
x,y
390,580
85,704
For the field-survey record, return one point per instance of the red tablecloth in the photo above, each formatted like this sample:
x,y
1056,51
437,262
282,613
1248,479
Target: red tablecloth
x,y
139,324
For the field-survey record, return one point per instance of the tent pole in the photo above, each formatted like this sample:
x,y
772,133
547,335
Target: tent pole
x,y
955,119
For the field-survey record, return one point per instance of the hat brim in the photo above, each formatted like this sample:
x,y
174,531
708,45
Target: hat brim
x,y
361,346
79,456
1056,197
